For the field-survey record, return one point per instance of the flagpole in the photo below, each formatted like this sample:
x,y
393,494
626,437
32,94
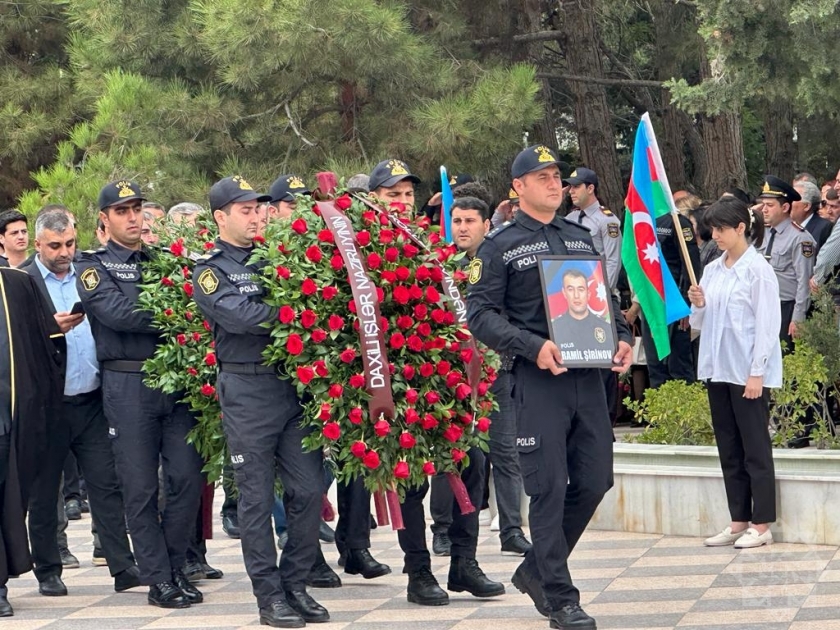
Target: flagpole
x,y
675,215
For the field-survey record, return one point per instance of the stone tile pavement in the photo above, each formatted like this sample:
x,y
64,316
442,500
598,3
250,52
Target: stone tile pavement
x,y
626,580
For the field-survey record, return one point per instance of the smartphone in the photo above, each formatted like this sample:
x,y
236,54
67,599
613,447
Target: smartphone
x,y
77,309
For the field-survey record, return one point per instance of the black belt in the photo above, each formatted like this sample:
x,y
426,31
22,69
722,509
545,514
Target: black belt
x,y
80,399
123,366
247,368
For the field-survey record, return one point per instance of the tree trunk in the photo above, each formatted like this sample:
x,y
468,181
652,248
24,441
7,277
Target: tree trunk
x,y
530,15
780,148
592,114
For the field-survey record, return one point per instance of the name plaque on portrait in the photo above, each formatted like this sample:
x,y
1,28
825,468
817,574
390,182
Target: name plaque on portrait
x,y
578,306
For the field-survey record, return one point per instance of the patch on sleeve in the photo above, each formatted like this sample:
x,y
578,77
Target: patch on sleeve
x,y
90,279
612,230
208,282
807,249
475,270
688,234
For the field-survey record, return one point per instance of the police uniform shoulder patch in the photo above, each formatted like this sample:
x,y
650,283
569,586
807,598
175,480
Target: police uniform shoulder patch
x,y
498,229
688,234
90,278
808,249
613,230
475,270
211,254
207,281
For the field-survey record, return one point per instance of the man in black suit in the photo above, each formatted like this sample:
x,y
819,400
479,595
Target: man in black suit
x,y
804,213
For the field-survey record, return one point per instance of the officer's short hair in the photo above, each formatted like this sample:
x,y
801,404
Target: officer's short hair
x,y
472,203
55,220
151,205
804,177
730,212
574,273
11,216
185,208
359,183
473,189
810,194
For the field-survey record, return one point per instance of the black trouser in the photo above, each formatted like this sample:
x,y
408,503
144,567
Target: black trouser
x,y
440,504
80,428
149,429
787,318
566,456
72,482
464,529
746,453
679,365
261,420
229,504
353,528
5,444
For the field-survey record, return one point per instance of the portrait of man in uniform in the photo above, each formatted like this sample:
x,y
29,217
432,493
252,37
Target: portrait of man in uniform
x,y
579,312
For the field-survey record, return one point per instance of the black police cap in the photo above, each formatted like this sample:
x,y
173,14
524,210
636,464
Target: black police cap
x,y
231,190
532,159
581,176
460,179
118,192
389,173
286,187
776,188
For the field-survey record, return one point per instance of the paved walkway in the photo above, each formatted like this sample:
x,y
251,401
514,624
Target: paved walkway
x,y
626,580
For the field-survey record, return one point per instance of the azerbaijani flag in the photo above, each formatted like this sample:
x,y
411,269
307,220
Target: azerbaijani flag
x,y
446,200
648,198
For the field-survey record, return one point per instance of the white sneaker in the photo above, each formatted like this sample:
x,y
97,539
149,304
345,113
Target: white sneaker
x,y
494,524
723,539
752,538
484,517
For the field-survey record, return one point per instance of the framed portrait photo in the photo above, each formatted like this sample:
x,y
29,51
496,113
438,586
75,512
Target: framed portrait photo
x,y
578,305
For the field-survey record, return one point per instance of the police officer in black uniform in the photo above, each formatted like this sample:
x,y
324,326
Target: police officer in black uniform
x,y
262,415
564,432
146,426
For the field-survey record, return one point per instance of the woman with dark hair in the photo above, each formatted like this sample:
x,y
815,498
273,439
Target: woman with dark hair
x,y
737,309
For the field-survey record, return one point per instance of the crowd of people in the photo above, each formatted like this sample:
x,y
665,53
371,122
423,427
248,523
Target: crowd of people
x,y
86,433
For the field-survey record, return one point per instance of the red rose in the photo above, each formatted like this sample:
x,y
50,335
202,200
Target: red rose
x,y
335,322
374,261
483,386
429,469
357,381
283,272
325,412
308,318
371,459
420,311
401,295
466,355
309,287
167,282
415,344
386,236
210,358
397,206
335,390
177,248
351,306
454,346
449,318
325,236
299,226
429,422
294,344
188,316
305,374
319,335
443,368
208,390
409,250
415,292
188,288
396,341
411,416
421,274
483,425
424,329
206,325
432,397
320,368
458,455
356,414
463,391
358,449
259,239
453,378
168,312
343,202
388,276
432,295
348,355
426,370
287,314
411,396
391,254
459,275
332,431
485,405
408,372
185,271
401,470
196,336
383,219
363,238
437,315
407,440
436,273
181,339
329,292
453,433
313,253
465,419
336,262
380,294
382,428
404,322
192,371
368,217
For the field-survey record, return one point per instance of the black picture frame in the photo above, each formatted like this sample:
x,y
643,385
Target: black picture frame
x,y
590,341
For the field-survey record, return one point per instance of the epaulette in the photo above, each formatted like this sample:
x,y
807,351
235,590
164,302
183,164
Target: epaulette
x,y
797,226
577,225
607,211
91,252
211,254
499,229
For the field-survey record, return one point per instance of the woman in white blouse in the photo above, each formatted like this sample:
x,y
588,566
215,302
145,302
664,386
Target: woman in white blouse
x,y
737,309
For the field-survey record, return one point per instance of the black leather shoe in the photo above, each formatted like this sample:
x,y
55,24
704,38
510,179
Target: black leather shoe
x,y
167,595
359,561
311,611
424,589
326,533
342,558
192,594
212,573
466,575
280,615
129,578
52,587
530,585
799,442
84,506
6,609
441,545
571,617
516,545
73,510
193,571
230,525
68,560
322,576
